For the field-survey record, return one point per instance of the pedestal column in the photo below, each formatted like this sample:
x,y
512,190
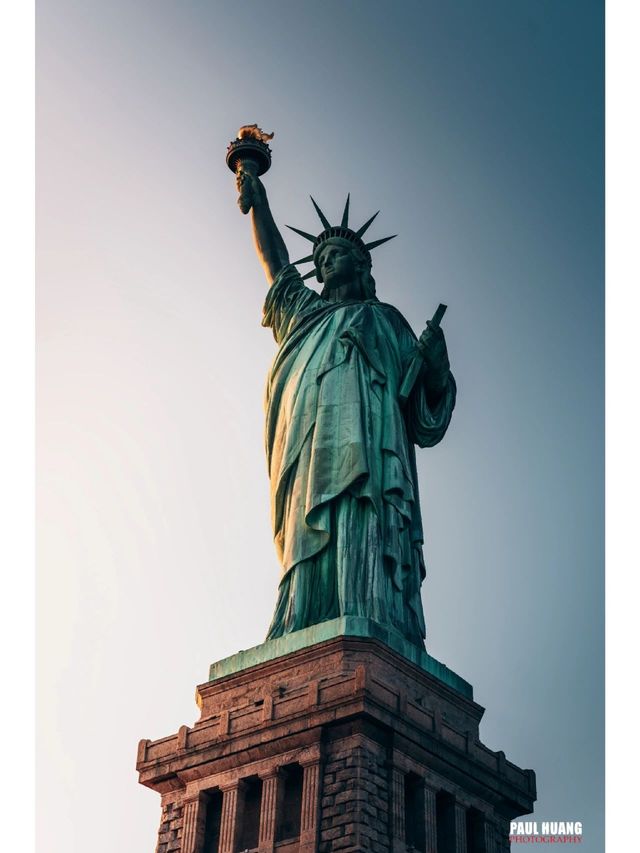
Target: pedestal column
x,y
268,808
460,823
430,821
310,801
229,824
398,828
192,820
490,843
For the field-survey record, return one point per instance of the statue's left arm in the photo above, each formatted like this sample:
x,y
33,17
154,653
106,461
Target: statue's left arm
x,y
430,405
436,371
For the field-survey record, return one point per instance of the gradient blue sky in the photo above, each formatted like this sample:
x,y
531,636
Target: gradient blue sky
x,y
477,129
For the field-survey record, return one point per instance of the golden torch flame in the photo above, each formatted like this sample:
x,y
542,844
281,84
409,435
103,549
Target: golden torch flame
x,y
252,131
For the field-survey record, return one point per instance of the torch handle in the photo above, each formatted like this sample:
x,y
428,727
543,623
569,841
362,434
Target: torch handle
x,y
250,167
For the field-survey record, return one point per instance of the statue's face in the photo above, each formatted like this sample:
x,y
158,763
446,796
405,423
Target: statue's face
x,y
337,265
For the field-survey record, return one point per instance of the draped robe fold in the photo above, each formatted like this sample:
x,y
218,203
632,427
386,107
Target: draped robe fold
x,y
340,453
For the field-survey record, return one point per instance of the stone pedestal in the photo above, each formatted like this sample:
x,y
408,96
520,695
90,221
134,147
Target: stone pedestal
x,y
345,745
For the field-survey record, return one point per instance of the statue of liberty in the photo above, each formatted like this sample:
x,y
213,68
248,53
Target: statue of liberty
x,y
341,425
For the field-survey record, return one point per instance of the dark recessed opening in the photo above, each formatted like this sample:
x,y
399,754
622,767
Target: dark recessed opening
x,y
445,822
289,803
414,816
250,814
213,818
475,832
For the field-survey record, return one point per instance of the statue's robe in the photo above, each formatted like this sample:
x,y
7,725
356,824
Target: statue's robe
x,y
344,490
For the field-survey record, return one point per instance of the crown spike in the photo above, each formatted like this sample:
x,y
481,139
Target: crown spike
x,y
345,215
369,246
323,218
304,234
303,260
309,274
364,227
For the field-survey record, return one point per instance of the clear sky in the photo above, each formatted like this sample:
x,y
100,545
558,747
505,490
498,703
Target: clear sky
x,y
477,129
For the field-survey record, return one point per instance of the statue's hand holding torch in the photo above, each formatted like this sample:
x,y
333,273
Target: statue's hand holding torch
x,y
249,186
249,156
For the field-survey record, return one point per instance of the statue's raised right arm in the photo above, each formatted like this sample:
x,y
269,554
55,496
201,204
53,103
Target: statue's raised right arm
x,y
272,252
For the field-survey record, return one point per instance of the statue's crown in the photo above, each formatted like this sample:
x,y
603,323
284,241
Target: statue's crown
x,y
343,231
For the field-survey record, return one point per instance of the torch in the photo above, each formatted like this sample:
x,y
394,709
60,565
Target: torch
x,y
250,154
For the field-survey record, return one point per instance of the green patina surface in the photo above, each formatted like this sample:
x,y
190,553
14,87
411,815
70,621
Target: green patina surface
x,y
350,394
345,626
341,457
